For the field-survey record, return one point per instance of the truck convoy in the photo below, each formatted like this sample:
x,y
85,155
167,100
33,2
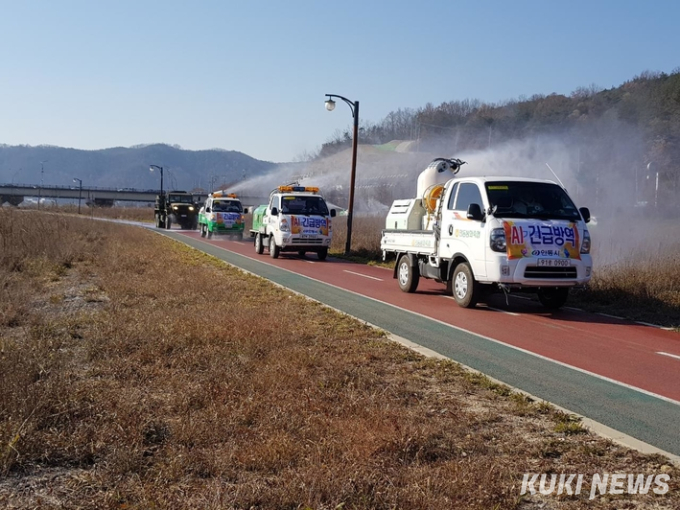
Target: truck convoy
x,y
222,213
295,219
479,235
176,207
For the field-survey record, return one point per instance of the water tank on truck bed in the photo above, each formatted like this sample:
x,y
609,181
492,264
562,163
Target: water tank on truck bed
x,y
418,213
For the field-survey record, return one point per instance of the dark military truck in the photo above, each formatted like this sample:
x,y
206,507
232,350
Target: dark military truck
x,y
176,208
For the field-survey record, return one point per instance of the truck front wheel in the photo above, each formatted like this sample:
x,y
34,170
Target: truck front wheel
x,y
168,222
273,249
553,299
202,230
259,246
321,254
407,274
465,288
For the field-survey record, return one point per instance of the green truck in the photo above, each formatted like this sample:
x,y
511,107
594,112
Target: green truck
x,y
176,207
222,214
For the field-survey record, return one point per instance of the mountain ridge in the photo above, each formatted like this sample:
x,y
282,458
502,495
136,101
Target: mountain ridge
x,y
127,166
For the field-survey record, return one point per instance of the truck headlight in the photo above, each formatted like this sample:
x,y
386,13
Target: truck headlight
x,y
284,226
174,207
191,208
497,240
585,245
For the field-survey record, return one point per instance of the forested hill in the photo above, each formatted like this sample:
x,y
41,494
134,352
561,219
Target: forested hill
x,y
127,167
615,133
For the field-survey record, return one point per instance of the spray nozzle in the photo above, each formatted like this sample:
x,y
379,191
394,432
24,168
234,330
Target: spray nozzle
x,y
451,164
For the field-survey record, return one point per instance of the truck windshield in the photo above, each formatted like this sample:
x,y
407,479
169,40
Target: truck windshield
x,y
540,200
227,206
292,204
181,199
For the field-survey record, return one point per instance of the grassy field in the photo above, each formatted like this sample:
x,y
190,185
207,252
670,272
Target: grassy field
x,y
137,373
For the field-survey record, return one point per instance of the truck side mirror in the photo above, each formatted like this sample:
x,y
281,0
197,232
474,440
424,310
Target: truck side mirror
x,y
274,211
207,209
245,210
333,213
585,212
474,212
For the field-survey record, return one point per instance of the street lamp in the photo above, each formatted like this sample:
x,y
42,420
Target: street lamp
x,y
151,167
80,192
354,106
42,171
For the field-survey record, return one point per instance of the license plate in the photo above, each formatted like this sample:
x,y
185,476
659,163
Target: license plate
x,y
184,215
554,263
307,236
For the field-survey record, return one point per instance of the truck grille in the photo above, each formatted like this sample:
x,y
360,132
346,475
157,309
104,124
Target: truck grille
x,y
559,273
306,241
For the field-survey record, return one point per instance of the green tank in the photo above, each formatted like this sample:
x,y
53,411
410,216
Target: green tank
x,y
258,215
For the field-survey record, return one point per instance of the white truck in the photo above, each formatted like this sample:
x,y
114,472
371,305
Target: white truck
x,y
295,219
483,234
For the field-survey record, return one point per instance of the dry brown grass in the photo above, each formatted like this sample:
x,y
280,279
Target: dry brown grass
x,y
366,233
136,373
645,289
637,271
144,213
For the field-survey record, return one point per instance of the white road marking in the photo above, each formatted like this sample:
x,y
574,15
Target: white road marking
x,y
611,316
364,275
665,328
669,355
499,310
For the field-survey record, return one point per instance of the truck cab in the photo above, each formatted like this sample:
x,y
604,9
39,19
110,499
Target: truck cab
x,y
295,219
494,233
222,214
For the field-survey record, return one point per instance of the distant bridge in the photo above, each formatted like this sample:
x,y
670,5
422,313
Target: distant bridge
x,y
104,197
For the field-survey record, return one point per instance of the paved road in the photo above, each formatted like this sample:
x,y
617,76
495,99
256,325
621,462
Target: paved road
x,y
619,373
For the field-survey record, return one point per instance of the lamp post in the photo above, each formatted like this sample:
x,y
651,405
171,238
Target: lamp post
x,y
80,191
15,174
354,106
42,172
160,168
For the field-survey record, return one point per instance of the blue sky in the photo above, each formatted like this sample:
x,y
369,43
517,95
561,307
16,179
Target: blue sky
x,y
252,75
